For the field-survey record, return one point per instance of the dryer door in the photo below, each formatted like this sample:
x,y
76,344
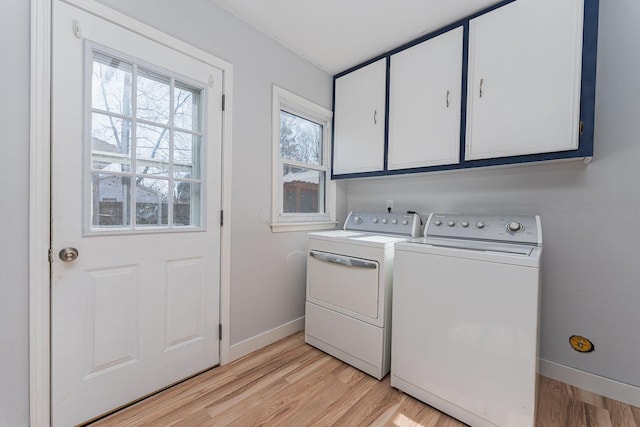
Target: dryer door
x,y
346,284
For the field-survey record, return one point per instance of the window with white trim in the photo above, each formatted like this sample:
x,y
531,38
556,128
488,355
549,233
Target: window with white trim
x,y
303,193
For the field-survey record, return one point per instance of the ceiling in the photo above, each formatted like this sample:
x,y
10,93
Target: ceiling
x,y
338,34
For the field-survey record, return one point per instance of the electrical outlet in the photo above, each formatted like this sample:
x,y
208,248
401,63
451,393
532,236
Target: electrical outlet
x,y
389,205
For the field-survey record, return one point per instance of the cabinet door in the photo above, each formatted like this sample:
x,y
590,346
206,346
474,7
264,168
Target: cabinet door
x,y
524,79
359,120
424,103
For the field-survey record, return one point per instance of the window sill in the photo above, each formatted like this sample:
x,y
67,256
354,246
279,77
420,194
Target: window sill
x,y
280,227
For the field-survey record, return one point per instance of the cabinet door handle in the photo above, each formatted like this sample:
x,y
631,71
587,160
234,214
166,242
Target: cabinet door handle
x,y
481,84
375,115
448,98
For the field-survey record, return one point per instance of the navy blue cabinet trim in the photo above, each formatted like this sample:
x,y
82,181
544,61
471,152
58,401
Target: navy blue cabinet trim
x,y
587,99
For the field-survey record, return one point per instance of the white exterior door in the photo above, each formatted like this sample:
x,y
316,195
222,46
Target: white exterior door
x,y
136,189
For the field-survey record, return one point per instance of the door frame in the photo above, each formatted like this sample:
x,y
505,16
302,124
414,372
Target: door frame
x,y
40,189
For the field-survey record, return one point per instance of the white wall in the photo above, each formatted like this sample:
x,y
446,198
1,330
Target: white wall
x,y
14,208
267,270
589,213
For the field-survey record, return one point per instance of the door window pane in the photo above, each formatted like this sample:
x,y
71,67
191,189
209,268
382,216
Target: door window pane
x,y
152,150
162,139
110,143
186,155
186,204
153,97
111,84
111,198
151,201
187,111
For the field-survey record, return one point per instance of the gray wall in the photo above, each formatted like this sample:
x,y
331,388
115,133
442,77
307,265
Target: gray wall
x,y
589,213
14,208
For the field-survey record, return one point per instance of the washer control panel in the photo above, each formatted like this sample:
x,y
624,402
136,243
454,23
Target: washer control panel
x,y
387,223
500,228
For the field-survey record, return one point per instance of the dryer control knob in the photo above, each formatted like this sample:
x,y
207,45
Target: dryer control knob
x,y
465,224
437,222
451,223
394,221
480,225
375,220
405,222
357,219
384,220
514,227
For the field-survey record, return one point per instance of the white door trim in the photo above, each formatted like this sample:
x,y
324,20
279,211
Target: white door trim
x,y
40,196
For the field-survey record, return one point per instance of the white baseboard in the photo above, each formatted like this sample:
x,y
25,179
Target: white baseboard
x,y
252,344
594,383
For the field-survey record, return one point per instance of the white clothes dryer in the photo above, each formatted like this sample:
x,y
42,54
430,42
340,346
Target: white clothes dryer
x,y
465,317
349,277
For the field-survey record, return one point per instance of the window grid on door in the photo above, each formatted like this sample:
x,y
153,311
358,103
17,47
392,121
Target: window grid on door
x,y
145,133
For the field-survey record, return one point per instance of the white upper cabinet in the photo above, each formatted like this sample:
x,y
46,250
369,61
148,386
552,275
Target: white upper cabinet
x,y
425,102
524,79
359,119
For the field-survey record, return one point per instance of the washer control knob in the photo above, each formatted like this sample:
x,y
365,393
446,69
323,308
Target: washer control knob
x,y
437,222
480,225
375,220
514,227
405,222
451,223
465,224
384,220
357,219
394,221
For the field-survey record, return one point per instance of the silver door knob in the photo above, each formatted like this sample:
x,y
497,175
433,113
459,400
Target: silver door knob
x,y
68,254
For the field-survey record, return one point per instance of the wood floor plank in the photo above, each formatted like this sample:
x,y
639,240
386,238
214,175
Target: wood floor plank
x,y
290,383
620,413
413,413
553,405
359,388
372,405
597,416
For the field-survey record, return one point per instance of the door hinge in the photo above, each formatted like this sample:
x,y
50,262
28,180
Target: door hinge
x,y
581,128
221,218
50,255
219,331
223,101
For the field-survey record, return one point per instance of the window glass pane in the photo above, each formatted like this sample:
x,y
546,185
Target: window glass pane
x,y
110,200
154,97
302,191
110,143
186,203
300,139
187,109
111,85
151,201
186,155
152,150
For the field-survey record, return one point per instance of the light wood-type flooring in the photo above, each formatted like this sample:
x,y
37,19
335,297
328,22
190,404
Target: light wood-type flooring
x,y
290,383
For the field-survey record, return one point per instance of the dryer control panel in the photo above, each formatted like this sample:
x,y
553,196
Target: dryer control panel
x,y
386,223
523,229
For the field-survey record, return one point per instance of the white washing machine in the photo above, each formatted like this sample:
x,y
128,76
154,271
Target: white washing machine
x,y
465,317
349,276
